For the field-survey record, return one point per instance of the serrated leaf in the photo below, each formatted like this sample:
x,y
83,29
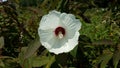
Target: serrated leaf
x,y
33,46
116,58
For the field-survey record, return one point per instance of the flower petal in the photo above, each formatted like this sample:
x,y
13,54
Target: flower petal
x,y
59,42
50,21
68,46
72,42
70,21
70,33
45,36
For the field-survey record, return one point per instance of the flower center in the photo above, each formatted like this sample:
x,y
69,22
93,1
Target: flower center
x,y
60,32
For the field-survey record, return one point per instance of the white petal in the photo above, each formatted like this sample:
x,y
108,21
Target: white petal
x,y
69,21
70,33
59,42
49,44
50,20
46,36
72,42
68,46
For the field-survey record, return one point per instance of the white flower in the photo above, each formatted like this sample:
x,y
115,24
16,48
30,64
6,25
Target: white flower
x,y
59,32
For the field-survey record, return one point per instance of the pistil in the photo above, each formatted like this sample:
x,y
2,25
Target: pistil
x,y
60,35
60,32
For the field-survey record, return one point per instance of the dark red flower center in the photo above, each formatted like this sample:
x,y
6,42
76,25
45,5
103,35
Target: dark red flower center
x,y
59,30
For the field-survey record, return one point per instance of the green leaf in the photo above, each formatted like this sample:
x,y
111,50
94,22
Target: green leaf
x,y
104,58
25,63
2,64
116,58
52,59
33,46
21,54
1,42
61,59
40,61
74,51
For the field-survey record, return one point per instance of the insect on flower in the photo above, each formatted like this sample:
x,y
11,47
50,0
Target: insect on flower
x,y
59,32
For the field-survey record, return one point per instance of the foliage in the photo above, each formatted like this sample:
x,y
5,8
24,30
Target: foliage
x,y
99,42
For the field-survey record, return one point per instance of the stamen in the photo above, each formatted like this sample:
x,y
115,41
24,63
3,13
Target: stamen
x,y
60,32
60,35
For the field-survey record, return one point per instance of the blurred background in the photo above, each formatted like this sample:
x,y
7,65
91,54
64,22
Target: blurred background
x,y
99,42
